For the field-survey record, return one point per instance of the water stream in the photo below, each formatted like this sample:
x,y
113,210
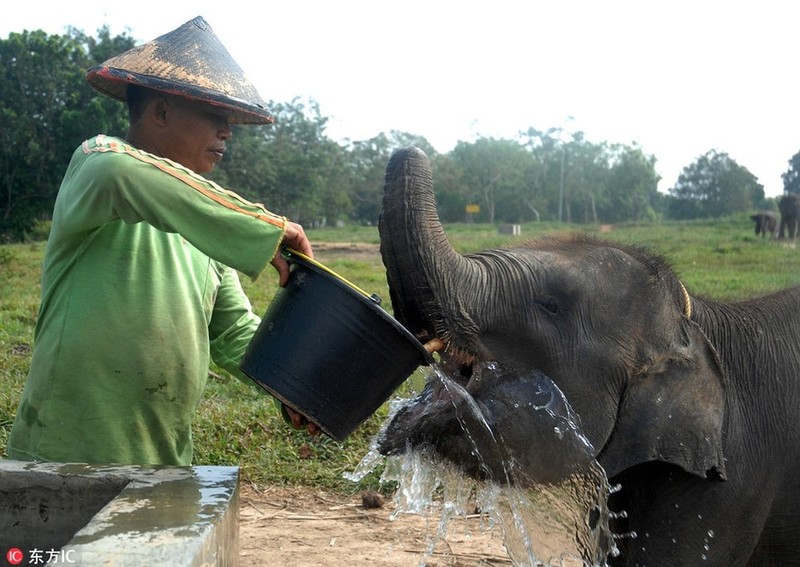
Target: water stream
x,y
559,524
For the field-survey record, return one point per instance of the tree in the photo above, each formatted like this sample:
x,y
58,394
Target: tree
x,y
451,196
713,186
46,110
305,180
585,169
578,180
791,178
631,189
494,174
544,179
247,168
367,161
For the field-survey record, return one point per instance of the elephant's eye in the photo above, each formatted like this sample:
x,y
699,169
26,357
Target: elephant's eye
x,y
548,304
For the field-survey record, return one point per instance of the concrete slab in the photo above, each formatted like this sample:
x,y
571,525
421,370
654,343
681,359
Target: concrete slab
x,y
92,515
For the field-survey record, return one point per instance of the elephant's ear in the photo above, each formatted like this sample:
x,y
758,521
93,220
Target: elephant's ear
x,y
673,412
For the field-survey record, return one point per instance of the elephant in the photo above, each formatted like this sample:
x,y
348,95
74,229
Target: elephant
x,y
689,403
766,224
789,207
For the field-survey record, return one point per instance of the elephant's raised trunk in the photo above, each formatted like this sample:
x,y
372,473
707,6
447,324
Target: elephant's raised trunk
x,y
422,267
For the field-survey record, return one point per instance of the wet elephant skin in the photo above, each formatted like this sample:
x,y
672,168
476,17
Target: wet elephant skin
x,y
501,425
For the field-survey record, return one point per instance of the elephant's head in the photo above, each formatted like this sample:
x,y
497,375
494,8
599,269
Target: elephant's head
x,y
609,324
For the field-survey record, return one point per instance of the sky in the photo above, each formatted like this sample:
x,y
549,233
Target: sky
x,y
678,78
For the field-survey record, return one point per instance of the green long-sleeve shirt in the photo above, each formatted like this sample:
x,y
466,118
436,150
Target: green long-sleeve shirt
x,y
139,291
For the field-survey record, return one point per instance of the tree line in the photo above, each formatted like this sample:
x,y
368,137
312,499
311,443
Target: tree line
x,y
293,167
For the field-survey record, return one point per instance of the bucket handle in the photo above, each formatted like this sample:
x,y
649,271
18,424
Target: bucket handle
x,y
373,297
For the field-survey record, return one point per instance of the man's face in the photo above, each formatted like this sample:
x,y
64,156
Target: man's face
x,y
195,134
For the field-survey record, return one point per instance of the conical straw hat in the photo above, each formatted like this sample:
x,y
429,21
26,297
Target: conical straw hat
x,y
189,61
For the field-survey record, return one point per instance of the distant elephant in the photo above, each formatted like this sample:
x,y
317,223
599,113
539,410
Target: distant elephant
x,y
766,224
789,207
692,405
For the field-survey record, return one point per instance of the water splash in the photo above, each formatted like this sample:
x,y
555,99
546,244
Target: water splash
x,y
562,524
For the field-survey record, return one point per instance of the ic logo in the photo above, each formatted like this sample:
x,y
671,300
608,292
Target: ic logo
x,y
15,556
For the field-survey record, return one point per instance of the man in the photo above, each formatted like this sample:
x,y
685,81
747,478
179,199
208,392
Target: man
x,y
139,287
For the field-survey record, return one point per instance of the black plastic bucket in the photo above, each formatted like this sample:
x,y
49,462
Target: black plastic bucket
x,y
327,350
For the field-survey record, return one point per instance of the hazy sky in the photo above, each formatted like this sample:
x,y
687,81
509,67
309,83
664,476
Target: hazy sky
x,y
679,78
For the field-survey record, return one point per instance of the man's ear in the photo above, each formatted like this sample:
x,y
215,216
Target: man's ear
x,y
159,108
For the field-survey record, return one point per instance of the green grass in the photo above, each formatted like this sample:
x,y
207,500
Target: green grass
x,y
237,425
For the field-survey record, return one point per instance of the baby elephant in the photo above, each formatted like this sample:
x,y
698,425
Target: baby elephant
x,y
766,224
690,403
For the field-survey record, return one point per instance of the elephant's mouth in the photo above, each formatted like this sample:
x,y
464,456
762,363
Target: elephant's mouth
x,y
496,423
457,362
446,421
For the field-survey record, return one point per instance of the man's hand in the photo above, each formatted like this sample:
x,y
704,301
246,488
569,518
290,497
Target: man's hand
x,y
296,239
300,421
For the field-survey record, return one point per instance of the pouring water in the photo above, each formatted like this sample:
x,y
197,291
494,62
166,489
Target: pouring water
x,y
550,508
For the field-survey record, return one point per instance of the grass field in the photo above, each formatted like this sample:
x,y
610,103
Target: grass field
x,y
237,425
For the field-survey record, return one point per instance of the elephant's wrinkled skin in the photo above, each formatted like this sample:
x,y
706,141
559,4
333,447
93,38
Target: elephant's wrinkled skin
x,y
692,405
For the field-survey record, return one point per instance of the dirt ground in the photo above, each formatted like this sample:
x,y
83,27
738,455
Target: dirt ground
x,y
324,251
304,527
